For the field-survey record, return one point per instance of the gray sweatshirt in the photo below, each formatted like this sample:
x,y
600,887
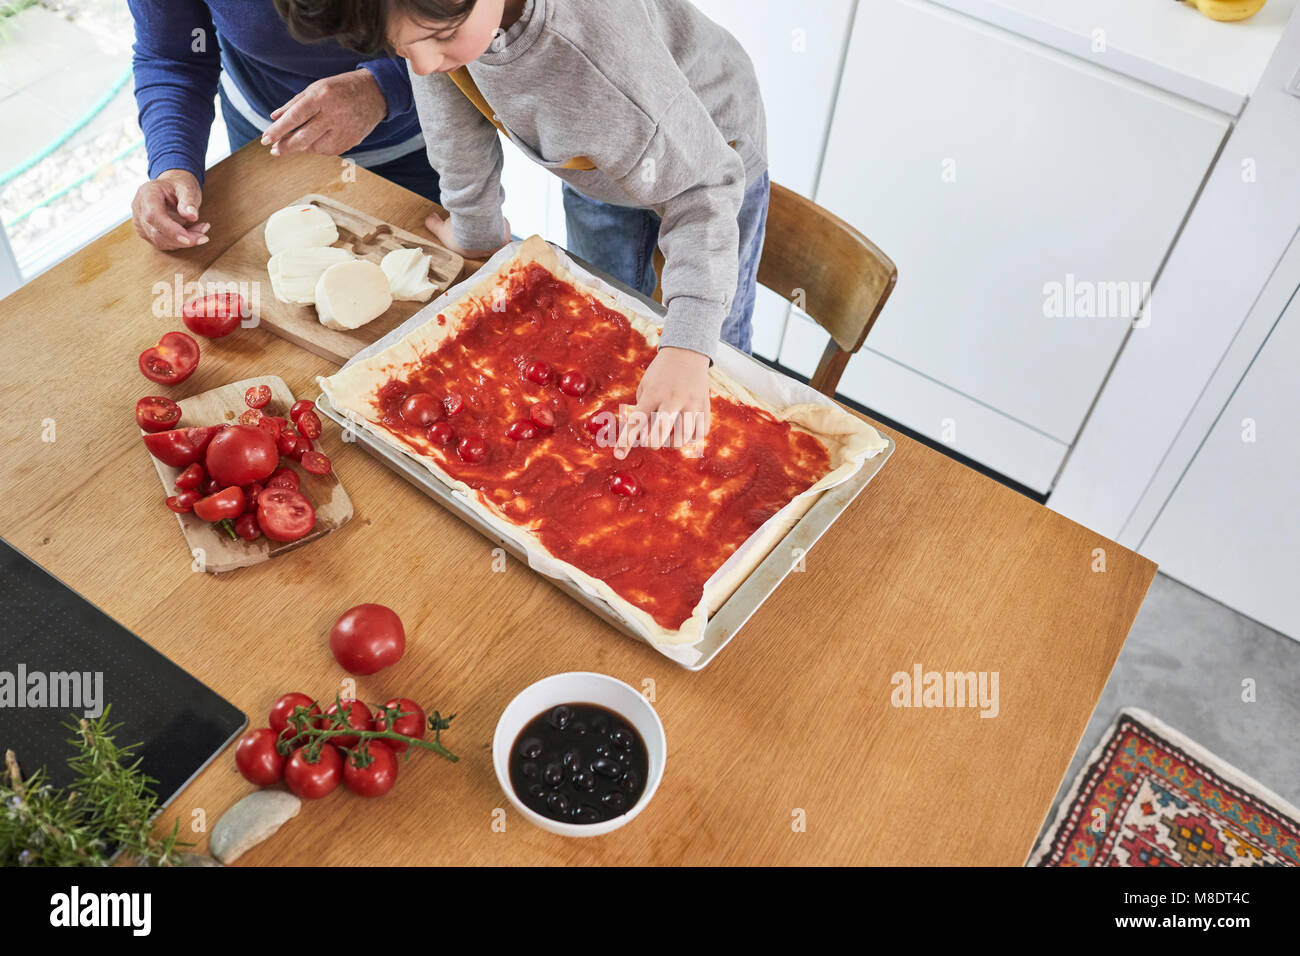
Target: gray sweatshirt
x,y
652,92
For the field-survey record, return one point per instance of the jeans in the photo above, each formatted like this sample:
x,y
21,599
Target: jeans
x,y
621,240
411,171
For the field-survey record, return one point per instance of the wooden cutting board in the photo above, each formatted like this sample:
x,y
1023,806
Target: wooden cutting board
x,y
244,264
218,551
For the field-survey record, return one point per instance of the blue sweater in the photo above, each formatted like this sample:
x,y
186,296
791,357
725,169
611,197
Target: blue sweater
x,y
178,63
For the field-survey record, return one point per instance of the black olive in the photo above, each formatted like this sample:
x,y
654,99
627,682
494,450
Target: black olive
x,y
572,760
557,802
580,728
629,781
614,801
553,774
625,759
607,768
585,814
560,717
530,749
600,725
529,769
582,780
536,790
621,738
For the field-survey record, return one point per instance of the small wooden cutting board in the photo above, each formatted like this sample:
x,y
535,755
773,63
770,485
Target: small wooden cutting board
x,y
244,265
211,548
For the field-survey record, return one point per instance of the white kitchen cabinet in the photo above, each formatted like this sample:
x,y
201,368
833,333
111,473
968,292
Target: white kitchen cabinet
x,y
990,167
1231,528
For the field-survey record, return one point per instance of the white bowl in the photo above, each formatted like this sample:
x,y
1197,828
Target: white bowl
x,y
580,687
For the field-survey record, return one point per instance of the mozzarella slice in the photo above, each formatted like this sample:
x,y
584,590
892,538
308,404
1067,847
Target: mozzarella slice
x,y
408,274
350,294
295,272
299,227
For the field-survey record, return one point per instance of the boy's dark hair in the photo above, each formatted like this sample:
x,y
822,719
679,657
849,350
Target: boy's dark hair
x,y
363,27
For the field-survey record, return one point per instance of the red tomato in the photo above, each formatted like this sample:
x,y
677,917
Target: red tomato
x,y
315,463
377,777
215,315
171,361
301,445
538,372
284,515
367,638
250,497
311,781
471,449
257,758
300,406
442,433
453,403
575,384
355,714
250,417
191,477
542,415
246,526
240,455
412,725
286,441
209,486
421,409
308,424
180,447
523,429
283,478
284,707
624,484
227,503
272,425
257,396
184,502
154,413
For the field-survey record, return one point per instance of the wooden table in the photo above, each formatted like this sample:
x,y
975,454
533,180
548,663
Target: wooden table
x,y
785,750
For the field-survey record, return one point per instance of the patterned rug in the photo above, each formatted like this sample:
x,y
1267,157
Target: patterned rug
x,y
1148,796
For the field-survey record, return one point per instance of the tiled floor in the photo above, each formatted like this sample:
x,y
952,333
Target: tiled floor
x,y
1184,662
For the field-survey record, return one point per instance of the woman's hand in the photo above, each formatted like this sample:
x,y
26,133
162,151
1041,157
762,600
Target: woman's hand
x,y
672,402
166,211
440,229
329,117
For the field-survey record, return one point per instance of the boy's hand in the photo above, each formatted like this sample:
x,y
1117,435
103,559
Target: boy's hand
x,y
675,386
441,230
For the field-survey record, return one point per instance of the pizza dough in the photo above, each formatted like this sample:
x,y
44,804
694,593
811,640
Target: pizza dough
x,y
847,439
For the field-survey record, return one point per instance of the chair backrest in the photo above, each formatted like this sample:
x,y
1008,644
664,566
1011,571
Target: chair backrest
x,y
832,272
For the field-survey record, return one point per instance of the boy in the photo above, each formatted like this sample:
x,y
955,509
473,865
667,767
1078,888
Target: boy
x,y
644,105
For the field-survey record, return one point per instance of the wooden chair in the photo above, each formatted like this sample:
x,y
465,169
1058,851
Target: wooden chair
x,y
843,280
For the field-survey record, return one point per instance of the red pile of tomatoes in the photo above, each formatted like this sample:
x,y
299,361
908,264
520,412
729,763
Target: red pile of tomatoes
x,y
313,765
233,472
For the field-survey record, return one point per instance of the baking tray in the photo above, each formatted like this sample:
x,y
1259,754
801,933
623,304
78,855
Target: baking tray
x,y
744,601
727,620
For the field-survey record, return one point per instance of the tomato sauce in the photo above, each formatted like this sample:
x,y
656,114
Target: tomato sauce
x,y
655,548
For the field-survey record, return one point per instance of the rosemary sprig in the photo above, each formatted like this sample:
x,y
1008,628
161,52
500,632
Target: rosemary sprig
x,y
109,808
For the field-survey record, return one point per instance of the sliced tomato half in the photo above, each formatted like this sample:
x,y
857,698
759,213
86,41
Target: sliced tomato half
x,y
172,360
180,447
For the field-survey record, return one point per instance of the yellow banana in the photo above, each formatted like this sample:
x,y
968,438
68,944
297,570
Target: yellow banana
x,y
1227,9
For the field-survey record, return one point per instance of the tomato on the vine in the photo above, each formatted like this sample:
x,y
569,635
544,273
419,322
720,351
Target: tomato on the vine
x,y
311,781
411,725
257,758
377,777
355,714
